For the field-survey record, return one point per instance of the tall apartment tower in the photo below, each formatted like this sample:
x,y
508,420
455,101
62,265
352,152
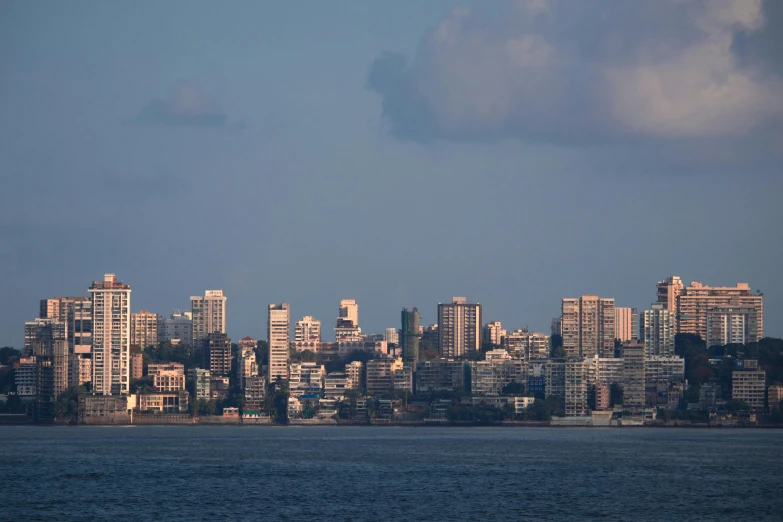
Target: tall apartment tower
x,y
494,332
588,326
347,327
278,338
144,329
633,375
459,328
218,353
669,290
410,335
732,323
110,336
626,324
698,303
658,328
209,314
307,329
391,336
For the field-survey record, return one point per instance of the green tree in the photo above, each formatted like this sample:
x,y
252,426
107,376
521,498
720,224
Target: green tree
x,y
9,355
67,403
142,385
513,388
557,352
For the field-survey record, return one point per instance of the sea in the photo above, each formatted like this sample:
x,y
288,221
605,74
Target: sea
x,y
389,473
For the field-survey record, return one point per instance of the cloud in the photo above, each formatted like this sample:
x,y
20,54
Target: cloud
x,y
186,107
589,71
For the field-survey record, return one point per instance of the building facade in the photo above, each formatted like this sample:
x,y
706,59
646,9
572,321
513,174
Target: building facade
x,y
208,313
144,329
588,326
459,328
697,301
410,335
307,329
626,324
219,353
659,325
111,319
177,328
278,339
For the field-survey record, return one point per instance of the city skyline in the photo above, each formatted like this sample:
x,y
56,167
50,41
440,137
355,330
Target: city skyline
x,y
288,159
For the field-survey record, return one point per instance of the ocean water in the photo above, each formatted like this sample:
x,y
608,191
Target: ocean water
x,y
389,473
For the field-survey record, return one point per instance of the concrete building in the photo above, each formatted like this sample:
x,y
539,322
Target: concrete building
x,y
410,335
169,381
335,385
380,376
80,327
774,396
217,347
659,325
201,382
668,293
111,318
490,376
557,326
749,386
602,397
575,387
347,326
177,328
144,329
255,391
494,332
605,370
164,402
538,345
440,375
56,308
208,313
246,360
137,363
588,326
633,376
554,378
698,300
306,378
80,371
106,409
626,324
355,375
459,328
391,336
278,337
307,329
43,331
732,323
663,370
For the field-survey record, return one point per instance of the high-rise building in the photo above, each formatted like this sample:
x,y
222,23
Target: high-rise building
x,y
633,375
626,324
110,336
144,329
307,329
347,327
749,386
218,350
209,314
391,336
658,328
697,302
56,308
588,326
557,325
459,328
494,332
410,335
732,323
669,290
246,360
278,339
177,328
80,327
575,388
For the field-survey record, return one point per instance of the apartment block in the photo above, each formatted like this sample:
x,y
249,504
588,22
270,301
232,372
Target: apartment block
x,y
668,293
554,378
440,375
307,329
137,363
633,376
246,360
494,332
626,324
659,325
110,336
278,339
201,382
355,375
663,370
410,335
732,323
697,301
144,329
208,313
335,385
490,376
575,387
459,328
749,386
255,391
306,378
347,326
588,326
391,336
177,328
380,376
219,353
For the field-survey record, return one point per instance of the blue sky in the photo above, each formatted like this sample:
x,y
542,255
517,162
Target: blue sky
x,y
395,153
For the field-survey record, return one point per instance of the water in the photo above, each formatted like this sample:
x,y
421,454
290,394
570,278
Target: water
x,y
386,473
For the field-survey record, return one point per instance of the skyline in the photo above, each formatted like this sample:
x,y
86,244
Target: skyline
x,y
271,152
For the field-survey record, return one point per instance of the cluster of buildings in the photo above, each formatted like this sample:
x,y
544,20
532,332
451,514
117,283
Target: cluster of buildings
x,y
96,339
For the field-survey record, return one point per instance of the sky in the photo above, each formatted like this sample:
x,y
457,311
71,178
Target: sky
x,y
396,153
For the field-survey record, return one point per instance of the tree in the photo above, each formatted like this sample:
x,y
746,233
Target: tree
x,y
513,388
67,403
557,352
615,394
262,353
142,385
737,405
9,355
556,340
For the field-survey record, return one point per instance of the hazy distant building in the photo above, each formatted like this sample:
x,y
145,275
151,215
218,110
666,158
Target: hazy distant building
x,y
307,329
626,324
278,339
246,360
733,323
557,323
697,301
588,326
177,328
658,329
110,336
459,328
749,386
575,387
347,327
391,336
669,291
494,332
219,353
410,335
208,313
144,329
633,375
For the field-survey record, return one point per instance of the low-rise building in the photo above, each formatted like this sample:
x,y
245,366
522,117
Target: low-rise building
x,y
440,375
335,385
749,386
774,396
380,375
306,378
354,374
201,382
171,402
105,408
